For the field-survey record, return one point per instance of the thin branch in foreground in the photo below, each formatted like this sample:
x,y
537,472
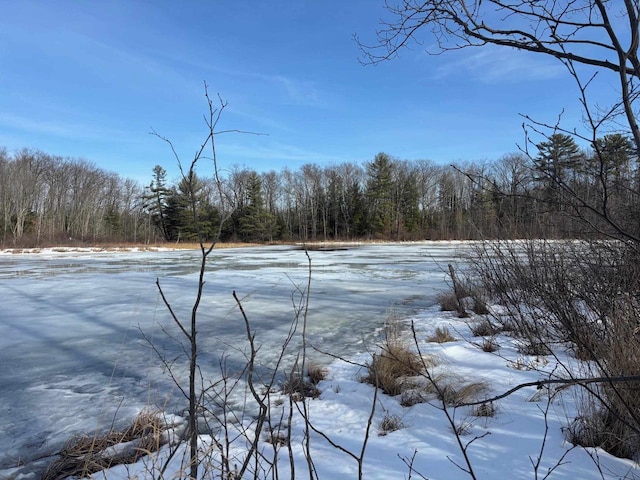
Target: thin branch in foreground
x,y
555,381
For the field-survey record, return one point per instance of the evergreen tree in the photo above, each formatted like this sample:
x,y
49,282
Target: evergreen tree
x,y
357,210
155,200
558,159
380,194
407,216
256,223
613,157
189,213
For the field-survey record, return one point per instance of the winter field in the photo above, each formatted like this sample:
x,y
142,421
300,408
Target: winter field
x,y
76,331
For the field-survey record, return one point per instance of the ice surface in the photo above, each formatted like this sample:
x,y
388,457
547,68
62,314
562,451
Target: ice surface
x,y
72,354
73,359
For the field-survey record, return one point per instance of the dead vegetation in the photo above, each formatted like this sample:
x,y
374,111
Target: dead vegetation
x,y
580,297
395,366
454,391
392,368
441,335
389,423
87,454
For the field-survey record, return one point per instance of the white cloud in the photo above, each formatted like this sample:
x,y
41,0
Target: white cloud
x,y
59,128
492,64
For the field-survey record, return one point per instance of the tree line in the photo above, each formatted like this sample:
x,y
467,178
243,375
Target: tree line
x,y
47,199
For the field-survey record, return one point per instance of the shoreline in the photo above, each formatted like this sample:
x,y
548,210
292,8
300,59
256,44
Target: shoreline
x,y
160,247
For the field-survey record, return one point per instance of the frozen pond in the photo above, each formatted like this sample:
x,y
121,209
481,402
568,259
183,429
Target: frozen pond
x,y
72,353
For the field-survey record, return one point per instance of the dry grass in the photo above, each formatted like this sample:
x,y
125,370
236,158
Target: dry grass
x,y
489,345
88,454
391,367
534,348
600,428
411,397
316,373
479,306
484,410
454,392
448,302
278,439
484,328
441,335
390,423
299,386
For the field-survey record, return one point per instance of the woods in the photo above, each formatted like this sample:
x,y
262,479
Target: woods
x,y
550,193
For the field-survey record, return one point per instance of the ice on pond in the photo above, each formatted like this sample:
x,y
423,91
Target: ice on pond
x,y
75,328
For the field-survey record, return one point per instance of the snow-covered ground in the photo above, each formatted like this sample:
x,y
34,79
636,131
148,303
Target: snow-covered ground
x,y
73,358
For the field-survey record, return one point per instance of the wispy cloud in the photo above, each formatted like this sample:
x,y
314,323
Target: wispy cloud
x,y
58,128
270,151
491,64
300,92
293,90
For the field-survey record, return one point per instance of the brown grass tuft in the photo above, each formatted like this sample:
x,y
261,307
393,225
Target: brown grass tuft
x,y
441,335
88,454
316,373
489,345
388,369
299,386
487,409
484,328
454,392
390,423
448,302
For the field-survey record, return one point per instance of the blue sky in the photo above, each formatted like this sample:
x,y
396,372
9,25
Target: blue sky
x,y
91,79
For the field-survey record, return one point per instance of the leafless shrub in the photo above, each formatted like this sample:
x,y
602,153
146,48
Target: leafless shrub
x,y
447,301
299,387
463,428
490,345
390,423
411,397
441,335
613,421
484,328
487,409
580,295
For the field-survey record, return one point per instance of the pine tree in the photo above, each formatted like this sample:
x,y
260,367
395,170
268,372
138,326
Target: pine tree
x,y
256,223
613,157
558,158
155,200
189,198
380,194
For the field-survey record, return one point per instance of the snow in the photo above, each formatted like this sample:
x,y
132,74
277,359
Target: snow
x,y
73,358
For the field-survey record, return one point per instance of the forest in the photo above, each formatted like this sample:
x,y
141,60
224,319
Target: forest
x,y
554,191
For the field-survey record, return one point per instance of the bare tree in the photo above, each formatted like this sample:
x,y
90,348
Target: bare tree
x,y
591,38
189,327
598,33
